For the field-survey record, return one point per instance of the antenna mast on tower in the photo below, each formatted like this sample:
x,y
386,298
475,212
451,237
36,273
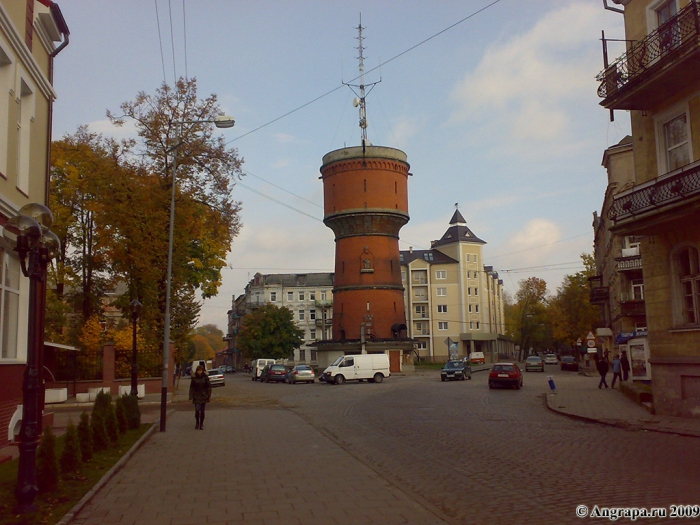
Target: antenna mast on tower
x,y
361,101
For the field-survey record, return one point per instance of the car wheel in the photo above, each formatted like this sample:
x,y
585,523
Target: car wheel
x,y
252,379
469,377
517,386
339,380
378,378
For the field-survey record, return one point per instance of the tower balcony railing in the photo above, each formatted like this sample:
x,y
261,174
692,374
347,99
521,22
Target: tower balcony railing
x,y
628,263
666,190
645,74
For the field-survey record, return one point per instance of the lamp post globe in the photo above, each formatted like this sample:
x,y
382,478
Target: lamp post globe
x,y
135,307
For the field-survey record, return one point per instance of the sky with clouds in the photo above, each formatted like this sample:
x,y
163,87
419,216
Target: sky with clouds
x,y
493,102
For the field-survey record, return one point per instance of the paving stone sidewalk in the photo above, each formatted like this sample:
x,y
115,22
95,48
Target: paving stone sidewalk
x,y
248,466
579,396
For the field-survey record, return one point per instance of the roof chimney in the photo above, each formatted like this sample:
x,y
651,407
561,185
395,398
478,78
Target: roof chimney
x,y
410,249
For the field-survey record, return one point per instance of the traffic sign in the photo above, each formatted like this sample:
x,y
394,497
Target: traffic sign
x,y
590,343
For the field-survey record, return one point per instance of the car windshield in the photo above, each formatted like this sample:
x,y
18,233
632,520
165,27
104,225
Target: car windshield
x,y
305,368
214,372
277,367
567,358
504,368
534,358
453,364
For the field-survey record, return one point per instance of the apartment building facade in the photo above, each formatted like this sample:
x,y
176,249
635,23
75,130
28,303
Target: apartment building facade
x,y
308,296
618,287
658,81
453,302
32,32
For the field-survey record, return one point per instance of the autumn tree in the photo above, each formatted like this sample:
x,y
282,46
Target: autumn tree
x,y
530,314
207,219
572,314
269,332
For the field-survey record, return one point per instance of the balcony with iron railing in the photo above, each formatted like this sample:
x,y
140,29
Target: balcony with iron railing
x,y
632,307
652,69
623,264
665,192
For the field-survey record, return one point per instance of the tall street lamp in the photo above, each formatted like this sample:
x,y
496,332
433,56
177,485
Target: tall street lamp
x,y
222,121
135,307
28,234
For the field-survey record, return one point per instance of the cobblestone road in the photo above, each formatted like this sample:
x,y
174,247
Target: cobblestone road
x,y
491,456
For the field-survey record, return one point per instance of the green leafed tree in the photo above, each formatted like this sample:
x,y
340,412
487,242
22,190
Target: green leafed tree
x,y
269,332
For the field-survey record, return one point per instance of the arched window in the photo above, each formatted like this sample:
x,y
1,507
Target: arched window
x,y
686,275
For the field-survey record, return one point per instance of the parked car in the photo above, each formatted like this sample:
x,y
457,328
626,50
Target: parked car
x,y
227,369
505,374
357,367
276,373
534,362
476,358
550,359
301,374
568,362
216,377
258,365
456,370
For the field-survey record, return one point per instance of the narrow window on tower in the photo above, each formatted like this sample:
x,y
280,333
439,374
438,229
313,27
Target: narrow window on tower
x,y
343,266
394,306
365,184
396,187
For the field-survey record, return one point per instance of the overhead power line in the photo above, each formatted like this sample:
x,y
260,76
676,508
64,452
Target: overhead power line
x,y
494,2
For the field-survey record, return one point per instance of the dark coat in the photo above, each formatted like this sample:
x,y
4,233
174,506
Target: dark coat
x,y
200,389
625,363
603,367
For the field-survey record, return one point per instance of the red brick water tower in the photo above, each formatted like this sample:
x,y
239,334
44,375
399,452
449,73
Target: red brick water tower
x,y
366,204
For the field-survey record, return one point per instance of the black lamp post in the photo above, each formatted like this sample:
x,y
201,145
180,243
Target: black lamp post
x,y
135,306
28,234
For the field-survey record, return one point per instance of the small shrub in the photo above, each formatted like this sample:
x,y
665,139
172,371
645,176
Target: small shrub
x,y
85,437
120,411
71,456
112,425
102,403
133,412
100,440
47,462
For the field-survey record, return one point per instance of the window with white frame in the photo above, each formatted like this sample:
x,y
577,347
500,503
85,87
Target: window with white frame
x,y
442,308
301,315
470,308
302,354
687,270
673,138
312,335
273,297
9,304
441,274
442,325
7,77
25,118
441,292
422,345
476,308
312,296
290,296
471,325
312,315
420,311
477,325
469,291
301,296
324,296
638,289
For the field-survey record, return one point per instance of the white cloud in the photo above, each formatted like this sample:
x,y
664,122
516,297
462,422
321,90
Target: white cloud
x,y
528,88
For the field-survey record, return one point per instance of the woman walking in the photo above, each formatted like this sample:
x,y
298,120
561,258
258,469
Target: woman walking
x,y
200,393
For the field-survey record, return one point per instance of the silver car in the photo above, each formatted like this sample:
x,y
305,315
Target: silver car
x,y
301,374
216,378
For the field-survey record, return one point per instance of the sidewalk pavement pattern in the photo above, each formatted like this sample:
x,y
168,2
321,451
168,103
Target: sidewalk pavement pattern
x,y
580,397
248,466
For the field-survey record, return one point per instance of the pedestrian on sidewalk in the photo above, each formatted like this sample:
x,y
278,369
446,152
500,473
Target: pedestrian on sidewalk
x,y
617,370
200,393
625,364
603,368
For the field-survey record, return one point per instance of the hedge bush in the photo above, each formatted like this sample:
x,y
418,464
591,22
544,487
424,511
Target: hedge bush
x,y
71,456
47,462
85,437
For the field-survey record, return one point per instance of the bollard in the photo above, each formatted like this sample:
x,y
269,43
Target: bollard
x,y
550,380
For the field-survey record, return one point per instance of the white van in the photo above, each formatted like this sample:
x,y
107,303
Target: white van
x,y
373,367
202,362
258,366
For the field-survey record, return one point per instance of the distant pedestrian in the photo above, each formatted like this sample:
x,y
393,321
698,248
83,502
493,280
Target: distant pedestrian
x,y
625,364
200,393
617,370
603,368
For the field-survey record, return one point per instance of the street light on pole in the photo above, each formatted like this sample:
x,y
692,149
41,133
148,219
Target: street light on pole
x,y
28,234
221,121
135,307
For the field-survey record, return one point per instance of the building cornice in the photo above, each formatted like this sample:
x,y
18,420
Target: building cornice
x,y
24,55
